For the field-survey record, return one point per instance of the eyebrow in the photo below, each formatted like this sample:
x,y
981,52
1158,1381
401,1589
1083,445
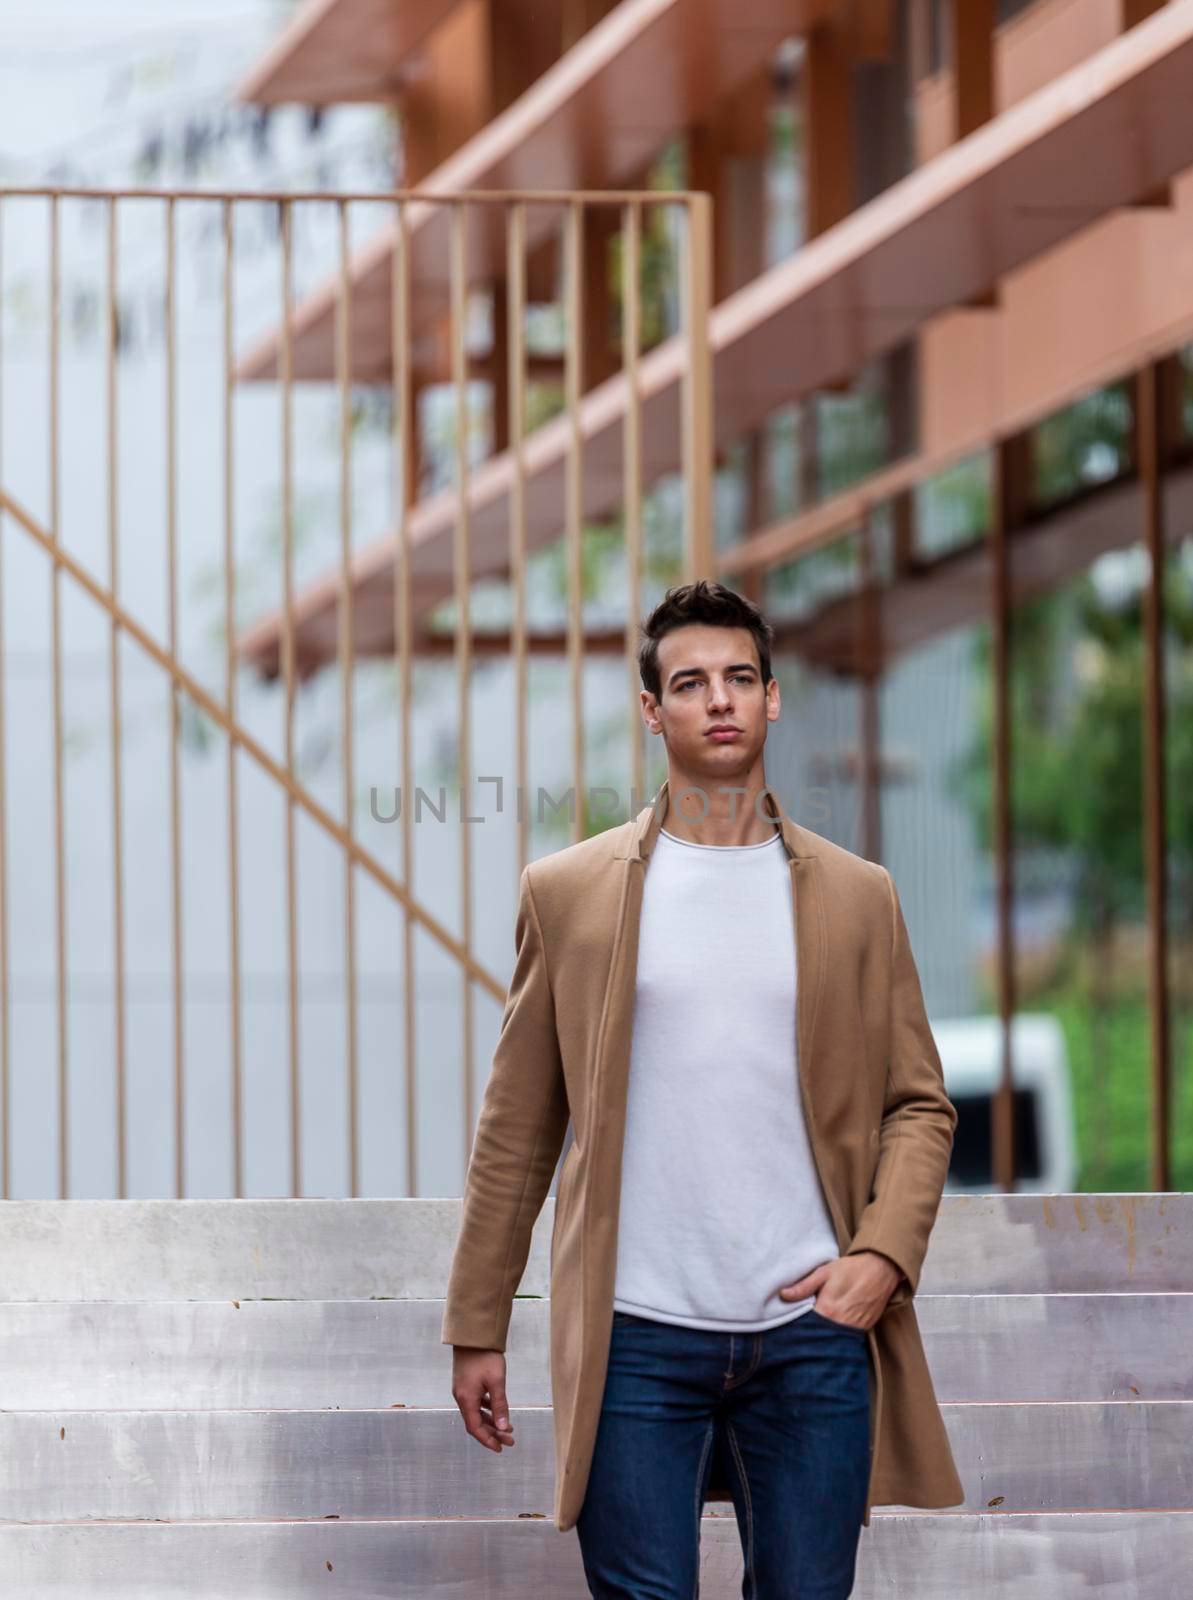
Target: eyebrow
x,y
687,672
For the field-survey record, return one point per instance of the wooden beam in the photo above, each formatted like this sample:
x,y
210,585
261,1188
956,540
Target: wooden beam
x,y
520,53
450,101
757,460
706,173
905,556
576,17
872,29
1005,493
727,159
600,226
1138,10
1158,199
869,669
473,65
696,391
973,61
499,375
744,116
1149,455
1016,492
827,86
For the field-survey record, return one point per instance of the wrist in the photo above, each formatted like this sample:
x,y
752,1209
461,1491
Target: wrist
x,y
894,1271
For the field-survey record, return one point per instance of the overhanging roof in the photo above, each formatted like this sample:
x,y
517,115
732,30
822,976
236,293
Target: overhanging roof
x,y
1096,138
594,120
336,51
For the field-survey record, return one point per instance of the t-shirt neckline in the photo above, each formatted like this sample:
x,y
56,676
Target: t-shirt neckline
x,y
723,848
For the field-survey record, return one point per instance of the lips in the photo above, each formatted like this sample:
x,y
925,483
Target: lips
x,y
723,733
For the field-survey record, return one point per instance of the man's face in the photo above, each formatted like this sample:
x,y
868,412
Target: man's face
x,y
710,677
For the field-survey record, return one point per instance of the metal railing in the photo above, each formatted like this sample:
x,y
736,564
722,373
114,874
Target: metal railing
x,y
435,239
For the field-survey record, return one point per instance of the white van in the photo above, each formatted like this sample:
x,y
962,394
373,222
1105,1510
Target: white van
x,y
1045,1141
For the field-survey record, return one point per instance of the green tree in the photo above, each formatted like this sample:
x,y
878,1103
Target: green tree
x,y
1077,684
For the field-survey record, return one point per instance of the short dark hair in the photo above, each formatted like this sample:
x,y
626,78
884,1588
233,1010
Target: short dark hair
x,y
707,602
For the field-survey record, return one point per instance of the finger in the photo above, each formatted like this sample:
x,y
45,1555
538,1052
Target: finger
x,y
501,1410
506,1433
475,1422
470,1409
806,1285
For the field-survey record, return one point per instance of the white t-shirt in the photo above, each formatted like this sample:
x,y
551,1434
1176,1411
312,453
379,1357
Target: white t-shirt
x,y
720,1202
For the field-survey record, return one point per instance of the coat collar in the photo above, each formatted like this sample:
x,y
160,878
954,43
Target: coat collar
x,y
644,830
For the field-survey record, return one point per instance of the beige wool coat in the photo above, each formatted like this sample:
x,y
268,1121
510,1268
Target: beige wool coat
x,y
879,1121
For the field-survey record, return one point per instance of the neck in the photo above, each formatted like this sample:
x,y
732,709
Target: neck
x,y
727,809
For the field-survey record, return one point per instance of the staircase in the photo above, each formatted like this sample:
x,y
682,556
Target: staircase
x,y
214,1398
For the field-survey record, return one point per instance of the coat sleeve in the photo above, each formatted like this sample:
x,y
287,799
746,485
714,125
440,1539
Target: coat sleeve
x,y
918,1119
519,1135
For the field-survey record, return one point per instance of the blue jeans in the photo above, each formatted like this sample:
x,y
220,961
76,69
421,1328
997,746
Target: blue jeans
x,y
791,1408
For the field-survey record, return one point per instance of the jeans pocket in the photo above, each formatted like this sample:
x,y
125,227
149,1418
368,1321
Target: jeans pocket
x,y
845,1327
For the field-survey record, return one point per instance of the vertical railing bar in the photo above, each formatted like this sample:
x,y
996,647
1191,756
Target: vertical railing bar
x,y
286,357
403,444
5,977
462,565
516,380
328,824
1002,1105
868,646
233,807
697,389
114,698
631,340
55,530
1149,460
347,680
573,526
175,699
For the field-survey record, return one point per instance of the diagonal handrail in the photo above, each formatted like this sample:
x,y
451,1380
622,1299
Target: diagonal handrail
x,y
251,746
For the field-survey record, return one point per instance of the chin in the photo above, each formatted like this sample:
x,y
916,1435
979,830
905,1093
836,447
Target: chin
x,y
720,758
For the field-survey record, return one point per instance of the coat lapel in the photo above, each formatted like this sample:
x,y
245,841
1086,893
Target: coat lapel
x,y
639,839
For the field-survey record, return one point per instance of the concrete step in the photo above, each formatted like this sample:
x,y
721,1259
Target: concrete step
x,y
91,1355
213,1397
420,1463
952,1556
377,1249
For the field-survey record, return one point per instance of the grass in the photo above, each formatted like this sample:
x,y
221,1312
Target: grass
x,y
1110,1066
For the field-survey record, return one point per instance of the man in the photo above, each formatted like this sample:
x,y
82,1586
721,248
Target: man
x,y
725,1006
